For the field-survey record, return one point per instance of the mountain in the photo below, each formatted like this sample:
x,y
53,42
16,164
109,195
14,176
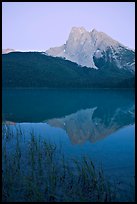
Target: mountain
x,y
8,50
86,60
35,69
95,50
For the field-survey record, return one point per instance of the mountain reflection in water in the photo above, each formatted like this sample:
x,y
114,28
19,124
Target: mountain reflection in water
x,y
88,114
94,124
37,117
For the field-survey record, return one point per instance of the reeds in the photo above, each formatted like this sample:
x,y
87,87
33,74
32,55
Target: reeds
x,y
39,172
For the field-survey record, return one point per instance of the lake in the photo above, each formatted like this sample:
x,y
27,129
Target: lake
x,y
96,123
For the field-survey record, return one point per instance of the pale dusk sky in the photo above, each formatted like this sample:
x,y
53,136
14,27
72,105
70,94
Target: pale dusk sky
x,y
41,25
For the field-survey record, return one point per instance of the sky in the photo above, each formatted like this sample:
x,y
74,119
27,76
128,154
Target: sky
x,y
41,25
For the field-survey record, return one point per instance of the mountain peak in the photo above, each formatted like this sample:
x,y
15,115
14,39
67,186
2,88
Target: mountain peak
x,y
94,31
92,48
78,29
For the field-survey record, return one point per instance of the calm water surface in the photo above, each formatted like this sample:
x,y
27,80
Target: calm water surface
x,y
95,123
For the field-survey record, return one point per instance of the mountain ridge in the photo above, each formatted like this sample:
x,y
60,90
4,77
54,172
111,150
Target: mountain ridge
x,y
34,69
83,47
7,50
87,60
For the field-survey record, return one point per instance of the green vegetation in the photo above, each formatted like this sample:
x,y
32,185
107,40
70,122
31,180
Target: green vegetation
x,y
33,69
38,171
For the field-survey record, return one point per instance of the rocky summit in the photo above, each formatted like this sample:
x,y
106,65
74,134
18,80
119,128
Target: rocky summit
x,y
94,49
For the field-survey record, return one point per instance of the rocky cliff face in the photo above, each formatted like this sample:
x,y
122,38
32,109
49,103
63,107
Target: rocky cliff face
x,y
95,50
